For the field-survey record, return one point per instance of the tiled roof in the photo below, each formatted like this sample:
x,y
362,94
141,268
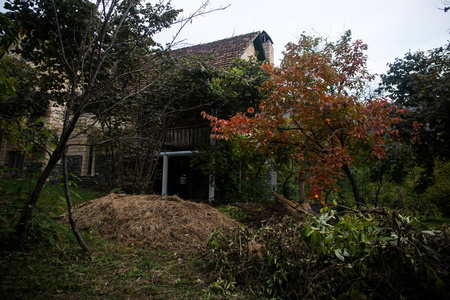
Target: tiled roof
x,y
223,51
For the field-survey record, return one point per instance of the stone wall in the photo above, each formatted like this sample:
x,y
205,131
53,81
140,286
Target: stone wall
x,y
250,52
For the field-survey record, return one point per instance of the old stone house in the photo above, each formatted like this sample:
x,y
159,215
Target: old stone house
x,y
176,176
15,162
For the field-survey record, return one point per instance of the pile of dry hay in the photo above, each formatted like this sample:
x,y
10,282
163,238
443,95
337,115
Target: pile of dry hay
x,y
167,223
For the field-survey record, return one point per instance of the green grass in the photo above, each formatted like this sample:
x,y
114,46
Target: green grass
x,y
50,205
112,272
434,222
52,195
52,266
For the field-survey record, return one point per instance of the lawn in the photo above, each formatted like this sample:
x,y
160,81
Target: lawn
x,y
114,271
53,267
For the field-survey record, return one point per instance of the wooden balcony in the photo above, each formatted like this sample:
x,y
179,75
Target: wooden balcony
x,y
187,137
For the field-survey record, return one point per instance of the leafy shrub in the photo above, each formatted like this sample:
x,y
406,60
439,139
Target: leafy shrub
x,y
233,212
439,192
239,174
376,255
45,225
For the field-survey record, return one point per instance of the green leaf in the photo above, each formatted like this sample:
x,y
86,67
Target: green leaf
x,y
338,254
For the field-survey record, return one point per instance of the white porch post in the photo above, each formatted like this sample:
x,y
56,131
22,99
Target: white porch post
x,y
165,175
211,190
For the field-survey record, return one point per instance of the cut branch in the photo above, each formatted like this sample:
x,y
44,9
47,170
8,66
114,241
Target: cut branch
x,y
295,209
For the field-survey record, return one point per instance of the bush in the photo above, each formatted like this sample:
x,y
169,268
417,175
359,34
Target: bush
x,y
377,255
439,192
45,226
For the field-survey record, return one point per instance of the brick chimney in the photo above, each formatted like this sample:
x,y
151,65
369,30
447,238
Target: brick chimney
x,y
268,47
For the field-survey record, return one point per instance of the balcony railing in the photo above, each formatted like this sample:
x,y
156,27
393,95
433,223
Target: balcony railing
x,y
187,136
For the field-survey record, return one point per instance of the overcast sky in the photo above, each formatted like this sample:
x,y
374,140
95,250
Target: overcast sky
x,y
389,27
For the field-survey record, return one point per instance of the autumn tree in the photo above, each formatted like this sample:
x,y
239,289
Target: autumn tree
x,y
81,50
313,111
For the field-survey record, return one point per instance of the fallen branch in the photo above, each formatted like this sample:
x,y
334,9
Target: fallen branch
x,y
294,208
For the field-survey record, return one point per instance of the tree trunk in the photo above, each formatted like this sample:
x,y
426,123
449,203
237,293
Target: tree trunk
x,y
301,187
301,191
73,224
377,193
27,211
359,201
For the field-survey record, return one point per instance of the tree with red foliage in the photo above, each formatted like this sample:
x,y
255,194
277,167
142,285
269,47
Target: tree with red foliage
x,y
314,112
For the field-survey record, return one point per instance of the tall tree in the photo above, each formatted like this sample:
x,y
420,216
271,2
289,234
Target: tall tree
x,y
8,35
81,50
313,110
421,82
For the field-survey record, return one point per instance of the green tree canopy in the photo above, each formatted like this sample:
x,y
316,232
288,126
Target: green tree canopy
x,y
421,82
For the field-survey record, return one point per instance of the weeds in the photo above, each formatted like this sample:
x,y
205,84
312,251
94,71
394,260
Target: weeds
x,y
371,256
113,271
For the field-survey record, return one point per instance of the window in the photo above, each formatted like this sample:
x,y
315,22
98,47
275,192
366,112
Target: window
x,y
15,165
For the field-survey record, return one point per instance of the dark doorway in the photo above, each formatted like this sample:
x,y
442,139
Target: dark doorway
x,y
183,180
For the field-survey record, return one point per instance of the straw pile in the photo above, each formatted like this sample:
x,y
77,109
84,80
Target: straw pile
x,y
168,223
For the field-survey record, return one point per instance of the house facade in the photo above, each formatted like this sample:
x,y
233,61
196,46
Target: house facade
x,y
175,175
15,162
